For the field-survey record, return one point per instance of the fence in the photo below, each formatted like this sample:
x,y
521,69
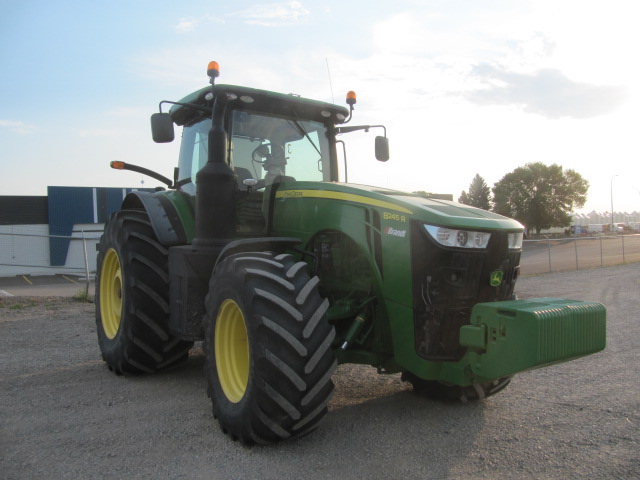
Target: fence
x,y
562,254
29,257
64,263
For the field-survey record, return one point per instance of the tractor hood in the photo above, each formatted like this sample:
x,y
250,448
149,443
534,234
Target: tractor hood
x,y
410,206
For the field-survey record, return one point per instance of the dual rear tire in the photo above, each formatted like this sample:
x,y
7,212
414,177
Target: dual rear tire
x,y
132,298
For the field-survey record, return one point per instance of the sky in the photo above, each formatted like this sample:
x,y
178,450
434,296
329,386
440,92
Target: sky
x,y
463,87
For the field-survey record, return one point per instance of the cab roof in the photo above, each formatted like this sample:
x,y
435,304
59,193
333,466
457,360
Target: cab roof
x,y
245,98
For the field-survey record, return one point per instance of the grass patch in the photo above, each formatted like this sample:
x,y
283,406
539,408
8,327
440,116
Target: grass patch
x,y
82,296
16,303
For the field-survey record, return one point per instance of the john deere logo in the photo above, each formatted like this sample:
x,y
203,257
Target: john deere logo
x,y
496,278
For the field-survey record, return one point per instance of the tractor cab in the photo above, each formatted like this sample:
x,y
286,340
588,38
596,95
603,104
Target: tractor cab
x,y
261,147
268,135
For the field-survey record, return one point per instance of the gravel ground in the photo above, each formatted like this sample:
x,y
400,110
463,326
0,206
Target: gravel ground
x,y
64,415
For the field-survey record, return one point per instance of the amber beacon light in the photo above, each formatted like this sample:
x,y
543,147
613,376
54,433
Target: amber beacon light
x,y
213,70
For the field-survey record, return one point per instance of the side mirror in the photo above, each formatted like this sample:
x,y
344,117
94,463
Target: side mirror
x,y
382,149
162,128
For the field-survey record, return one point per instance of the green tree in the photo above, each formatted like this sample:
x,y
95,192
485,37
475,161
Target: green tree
x,y
540,196
437,196
423,193
479,194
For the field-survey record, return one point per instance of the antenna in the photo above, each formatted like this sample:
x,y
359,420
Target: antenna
x,y
333,100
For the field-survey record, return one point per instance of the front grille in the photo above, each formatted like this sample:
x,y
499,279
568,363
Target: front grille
x,y
448,282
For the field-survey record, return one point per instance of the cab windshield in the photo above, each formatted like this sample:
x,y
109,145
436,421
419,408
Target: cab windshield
x,y
261,147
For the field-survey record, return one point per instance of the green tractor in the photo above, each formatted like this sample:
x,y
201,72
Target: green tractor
x,y
263,251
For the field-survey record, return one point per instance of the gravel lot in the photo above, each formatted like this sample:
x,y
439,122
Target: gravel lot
x,y
64,415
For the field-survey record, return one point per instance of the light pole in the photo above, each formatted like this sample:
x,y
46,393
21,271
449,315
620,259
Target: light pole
x,y
612,227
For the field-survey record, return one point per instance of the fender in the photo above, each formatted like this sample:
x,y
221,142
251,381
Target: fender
x,y
271,244
163,215
191,269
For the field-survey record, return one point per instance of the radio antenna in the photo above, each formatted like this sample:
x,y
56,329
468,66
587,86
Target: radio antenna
x,y
333,100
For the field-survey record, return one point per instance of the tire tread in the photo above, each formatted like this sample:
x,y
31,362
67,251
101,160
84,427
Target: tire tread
x,y
143,343
292,360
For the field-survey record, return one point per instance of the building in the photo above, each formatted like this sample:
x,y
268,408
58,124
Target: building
x,y
53,234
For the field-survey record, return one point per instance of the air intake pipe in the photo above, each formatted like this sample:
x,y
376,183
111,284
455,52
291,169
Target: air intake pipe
x,y
216,186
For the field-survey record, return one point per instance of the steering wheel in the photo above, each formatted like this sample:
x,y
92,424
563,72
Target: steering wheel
x,y
261,154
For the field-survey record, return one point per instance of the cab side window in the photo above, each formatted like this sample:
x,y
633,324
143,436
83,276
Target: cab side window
x,y
193,153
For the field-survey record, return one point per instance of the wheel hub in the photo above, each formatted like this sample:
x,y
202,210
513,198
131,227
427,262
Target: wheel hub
x,y
232,351
111,294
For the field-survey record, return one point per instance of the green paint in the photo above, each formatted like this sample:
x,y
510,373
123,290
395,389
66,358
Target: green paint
x,y
509,337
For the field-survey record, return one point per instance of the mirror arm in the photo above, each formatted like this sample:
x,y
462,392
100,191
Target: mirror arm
x,y
192,106
366,128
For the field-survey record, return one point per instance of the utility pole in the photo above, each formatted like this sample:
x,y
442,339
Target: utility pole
x,y
612,227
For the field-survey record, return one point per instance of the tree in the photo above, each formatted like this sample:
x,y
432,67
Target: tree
x,y
423,193
540,196
479,194
434,196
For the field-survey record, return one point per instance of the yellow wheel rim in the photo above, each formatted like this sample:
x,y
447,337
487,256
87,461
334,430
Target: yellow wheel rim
x,y
232,351
111,293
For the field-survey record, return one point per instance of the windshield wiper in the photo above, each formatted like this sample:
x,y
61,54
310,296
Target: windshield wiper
x,y
298,126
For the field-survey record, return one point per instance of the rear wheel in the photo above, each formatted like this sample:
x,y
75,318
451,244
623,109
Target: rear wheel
x,y
132,298
268,350
441,391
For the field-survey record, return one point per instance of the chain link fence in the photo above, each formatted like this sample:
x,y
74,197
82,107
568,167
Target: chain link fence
x,y
548,255
34,263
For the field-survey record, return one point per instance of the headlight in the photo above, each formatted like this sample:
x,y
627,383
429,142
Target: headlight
x,y
459,238
515,240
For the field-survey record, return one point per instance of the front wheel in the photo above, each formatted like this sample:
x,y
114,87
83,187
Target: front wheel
x,y
268,350
441,391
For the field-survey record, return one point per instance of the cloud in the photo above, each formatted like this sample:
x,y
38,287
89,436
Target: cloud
x,y
547,92
266,15
190,24
17,127
273,14
186,25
